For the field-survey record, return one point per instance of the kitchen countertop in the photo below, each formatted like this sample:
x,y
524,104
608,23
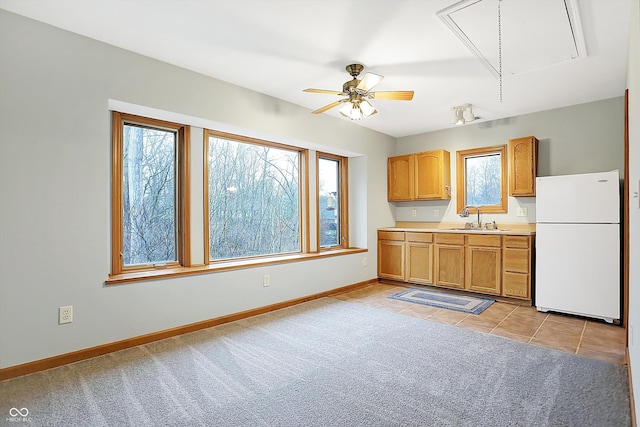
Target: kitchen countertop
x,y
458,228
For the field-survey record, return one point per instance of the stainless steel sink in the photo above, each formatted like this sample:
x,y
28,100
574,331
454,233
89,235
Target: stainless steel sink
x,y
474,230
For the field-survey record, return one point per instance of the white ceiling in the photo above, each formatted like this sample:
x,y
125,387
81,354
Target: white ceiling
x,y
280,47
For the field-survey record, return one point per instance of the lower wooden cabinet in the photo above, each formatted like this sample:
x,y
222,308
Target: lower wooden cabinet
x,y
419,258
484,264
517,257
405,256
449,261
492,264
391,254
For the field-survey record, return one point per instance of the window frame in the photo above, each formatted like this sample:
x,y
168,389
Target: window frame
x,y
343,202
303,197
462,155
182,192
185,266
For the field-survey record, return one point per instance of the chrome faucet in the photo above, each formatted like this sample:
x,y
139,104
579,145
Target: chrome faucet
x,y
465,214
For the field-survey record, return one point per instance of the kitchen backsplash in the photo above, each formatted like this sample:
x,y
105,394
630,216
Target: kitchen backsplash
x,y
521,210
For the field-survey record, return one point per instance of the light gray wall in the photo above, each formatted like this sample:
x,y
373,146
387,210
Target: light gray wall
x,y
55,142
633,84
577,139
55,164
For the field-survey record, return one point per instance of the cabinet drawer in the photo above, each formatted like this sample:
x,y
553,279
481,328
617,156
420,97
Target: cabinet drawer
x,y
515,285
450,239
516,241
516,260
391,235
483,240
419,237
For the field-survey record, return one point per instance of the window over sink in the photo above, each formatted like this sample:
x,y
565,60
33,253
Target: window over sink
x,y
481,179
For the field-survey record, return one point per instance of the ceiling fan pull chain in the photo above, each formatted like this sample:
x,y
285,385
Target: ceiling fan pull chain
x,y
500,47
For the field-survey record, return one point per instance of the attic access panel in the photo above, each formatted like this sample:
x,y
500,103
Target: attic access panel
x,y
535,33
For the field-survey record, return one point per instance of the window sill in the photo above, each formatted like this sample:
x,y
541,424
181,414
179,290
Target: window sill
x,y
214,267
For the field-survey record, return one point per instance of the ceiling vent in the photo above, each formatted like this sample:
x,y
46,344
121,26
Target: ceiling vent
x,y
534,33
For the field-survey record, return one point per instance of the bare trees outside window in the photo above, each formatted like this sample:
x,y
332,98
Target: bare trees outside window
x,y
253,198
148,180
329,202
481,178
332,201
256,201
148,195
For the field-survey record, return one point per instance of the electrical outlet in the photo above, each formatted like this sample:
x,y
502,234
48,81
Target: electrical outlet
x,y
266,280
436,213
522,212
414,212
65,314
365,262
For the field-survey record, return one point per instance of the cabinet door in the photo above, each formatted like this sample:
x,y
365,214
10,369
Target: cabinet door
x,y
433,175
419,264
523,166
516,285
391,259
449,266
400,177
483,269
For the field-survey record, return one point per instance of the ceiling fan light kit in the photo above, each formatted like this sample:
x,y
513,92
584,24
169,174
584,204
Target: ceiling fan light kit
x,y
357,106
462,114
356,110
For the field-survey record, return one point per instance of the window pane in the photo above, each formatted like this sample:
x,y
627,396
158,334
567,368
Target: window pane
x,y
483,180
329,197
254,199
148,195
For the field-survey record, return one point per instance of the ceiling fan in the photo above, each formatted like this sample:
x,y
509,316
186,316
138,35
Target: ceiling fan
x,y
357,106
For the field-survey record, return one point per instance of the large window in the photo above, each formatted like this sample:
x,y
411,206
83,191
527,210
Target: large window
x,y
253,203
481,178
256,195
332,201
148,184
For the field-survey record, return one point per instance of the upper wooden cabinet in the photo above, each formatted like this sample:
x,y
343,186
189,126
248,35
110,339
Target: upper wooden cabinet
x,y
420,176
400,178
433,175
523,165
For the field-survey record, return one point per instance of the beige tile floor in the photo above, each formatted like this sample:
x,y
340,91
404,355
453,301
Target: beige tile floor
x,y
589,338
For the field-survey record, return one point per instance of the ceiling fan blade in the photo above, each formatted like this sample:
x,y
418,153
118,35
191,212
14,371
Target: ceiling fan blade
x,y
369,81
328,107
330,92
399,95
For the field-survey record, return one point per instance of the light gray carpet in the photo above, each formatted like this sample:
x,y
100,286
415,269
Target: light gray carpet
x,y
327,363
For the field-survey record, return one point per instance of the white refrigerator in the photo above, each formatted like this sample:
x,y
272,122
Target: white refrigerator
x,y
578,245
